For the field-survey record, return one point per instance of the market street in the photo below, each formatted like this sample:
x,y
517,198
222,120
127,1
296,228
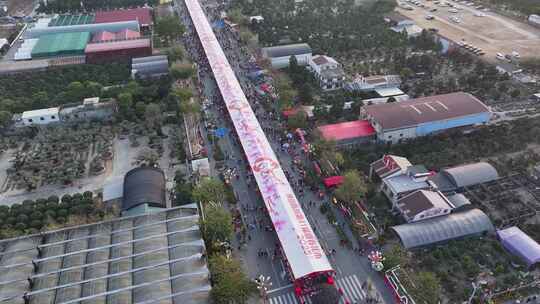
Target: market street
x,y
261,255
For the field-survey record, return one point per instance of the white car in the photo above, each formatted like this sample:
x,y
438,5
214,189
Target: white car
x,y
430,17
479,14
515,54
453,11
499,56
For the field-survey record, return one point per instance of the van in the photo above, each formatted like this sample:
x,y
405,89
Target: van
x,y
499,56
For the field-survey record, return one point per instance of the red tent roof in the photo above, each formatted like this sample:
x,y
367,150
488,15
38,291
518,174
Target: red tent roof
x,y
140,14
333,181
347,130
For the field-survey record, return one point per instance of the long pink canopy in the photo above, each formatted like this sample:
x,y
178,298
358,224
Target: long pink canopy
x,y
300,245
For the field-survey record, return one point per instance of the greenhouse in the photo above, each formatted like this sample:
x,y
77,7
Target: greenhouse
x,y
67,44
64,20
153,258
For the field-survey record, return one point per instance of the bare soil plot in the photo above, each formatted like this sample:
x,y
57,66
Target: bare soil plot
x,y
492,33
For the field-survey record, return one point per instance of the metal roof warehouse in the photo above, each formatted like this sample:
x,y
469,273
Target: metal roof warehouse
x,y
425,109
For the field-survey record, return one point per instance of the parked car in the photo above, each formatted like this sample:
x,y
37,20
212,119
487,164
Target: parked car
x,y
430,17
499,56
515,54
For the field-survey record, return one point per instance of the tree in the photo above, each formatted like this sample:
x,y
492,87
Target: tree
x,y
428,287
125,102
5,118
230,284
298,120
152,115
175,53
170,28
217,225
210,190
147,157
140,108
236,16
395,256
352,189
182,71
328,294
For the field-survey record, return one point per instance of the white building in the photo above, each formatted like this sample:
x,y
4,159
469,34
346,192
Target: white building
x,y
40,117
279,56
328,72
372,83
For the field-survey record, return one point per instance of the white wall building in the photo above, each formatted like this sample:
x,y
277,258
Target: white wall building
x,y
40,117
328,72
424,204
279,56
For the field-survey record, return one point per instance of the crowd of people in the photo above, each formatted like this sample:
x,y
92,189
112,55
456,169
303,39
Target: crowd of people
x,y
287,147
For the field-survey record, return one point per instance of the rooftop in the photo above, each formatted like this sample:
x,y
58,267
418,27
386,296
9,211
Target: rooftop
x,y
388,92
521,244
322,59
405,183
443,228
141,259
389,164
143,15
471,174
347,130
425,109
117,45
40,112
420,201
286,50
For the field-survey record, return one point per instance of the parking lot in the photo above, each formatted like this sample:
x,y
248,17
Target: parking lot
x,y
461,21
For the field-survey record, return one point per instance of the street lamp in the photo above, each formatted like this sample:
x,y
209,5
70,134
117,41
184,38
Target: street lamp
x,y
263,285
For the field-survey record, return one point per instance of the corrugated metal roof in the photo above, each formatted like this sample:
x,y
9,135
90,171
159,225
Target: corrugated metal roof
x,y
443,228
145,185
117,45
286,50
471,174
425,109
61,44
142,15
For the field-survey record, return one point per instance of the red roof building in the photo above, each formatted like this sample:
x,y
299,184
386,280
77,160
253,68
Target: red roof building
x,y
122,35
348,133
123,51
143,15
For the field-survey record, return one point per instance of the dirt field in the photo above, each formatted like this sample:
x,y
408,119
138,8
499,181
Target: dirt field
x,y
493,33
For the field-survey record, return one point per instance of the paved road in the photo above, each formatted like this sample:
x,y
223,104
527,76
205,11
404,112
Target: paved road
x,y
258,258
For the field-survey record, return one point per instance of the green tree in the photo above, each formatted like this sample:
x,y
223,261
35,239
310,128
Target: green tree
x,y
230,284
169,28
140,108
217,225
152,115
182,71
125,102
175,53
298,120
5,118
395,256
353,187
428,287
209,190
